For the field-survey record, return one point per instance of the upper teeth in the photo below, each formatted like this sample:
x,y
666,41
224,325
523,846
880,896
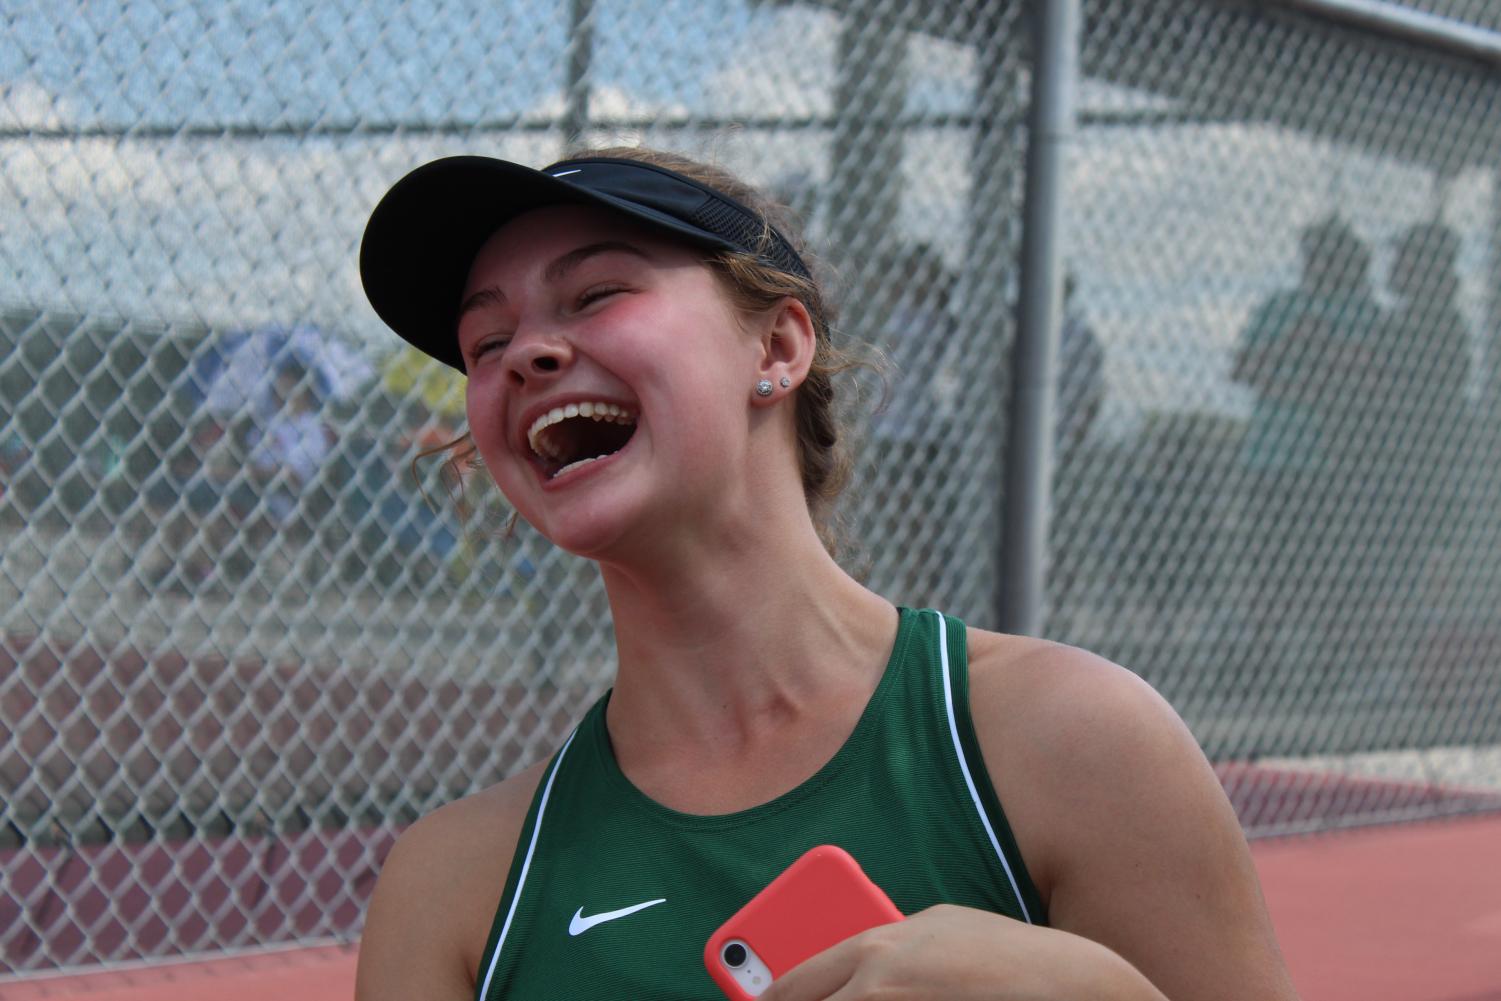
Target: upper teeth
x,y
594,411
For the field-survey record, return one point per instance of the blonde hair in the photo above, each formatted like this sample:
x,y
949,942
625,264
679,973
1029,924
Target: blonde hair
x,y
825,459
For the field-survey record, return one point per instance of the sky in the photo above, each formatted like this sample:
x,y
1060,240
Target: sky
x,y
1175,232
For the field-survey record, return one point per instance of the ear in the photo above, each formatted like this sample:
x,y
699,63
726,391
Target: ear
x,y
787,345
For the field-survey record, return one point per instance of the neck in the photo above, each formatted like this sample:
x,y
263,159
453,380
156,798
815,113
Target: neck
x,y
740,636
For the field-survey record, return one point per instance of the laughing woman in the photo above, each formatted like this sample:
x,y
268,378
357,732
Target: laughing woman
x,y
650,382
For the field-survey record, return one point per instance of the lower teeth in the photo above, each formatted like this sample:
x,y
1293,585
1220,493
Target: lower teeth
x,y
575,465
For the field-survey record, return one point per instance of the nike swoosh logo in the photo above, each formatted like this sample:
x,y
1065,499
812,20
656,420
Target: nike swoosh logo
x,y
581,924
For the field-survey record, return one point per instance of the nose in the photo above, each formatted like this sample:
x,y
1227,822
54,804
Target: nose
x,y
536,357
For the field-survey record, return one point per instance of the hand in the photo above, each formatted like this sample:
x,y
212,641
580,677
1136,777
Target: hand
x,y
959,953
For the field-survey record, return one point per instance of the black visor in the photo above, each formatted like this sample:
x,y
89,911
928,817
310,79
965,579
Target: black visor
x,y
424,234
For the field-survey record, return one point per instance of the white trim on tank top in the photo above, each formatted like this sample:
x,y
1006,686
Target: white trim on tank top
x,y
526,864
948,703
969,782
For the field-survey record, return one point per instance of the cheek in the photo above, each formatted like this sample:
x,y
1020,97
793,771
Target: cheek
x,y
482,409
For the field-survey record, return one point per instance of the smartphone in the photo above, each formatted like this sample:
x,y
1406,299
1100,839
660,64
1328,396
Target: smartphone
x,y
820,900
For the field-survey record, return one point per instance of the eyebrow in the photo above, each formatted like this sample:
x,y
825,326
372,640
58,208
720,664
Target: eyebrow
x,y
555,272
558,269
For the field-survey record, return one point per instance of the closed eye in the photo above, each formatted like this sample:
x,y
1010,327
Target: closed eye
x,y
595,294
489,345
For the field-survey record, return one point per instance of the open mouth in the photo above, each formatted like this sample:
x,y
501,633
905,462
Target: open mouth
x,y
577,434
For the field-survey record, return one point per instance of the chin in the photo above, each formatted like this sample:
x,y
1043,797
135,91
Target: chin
x,y
614,518
599,532
590,543
646,543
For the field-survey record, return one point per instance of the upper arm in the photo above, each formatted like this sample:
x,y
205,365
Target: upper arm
x,y
1123,824
436,896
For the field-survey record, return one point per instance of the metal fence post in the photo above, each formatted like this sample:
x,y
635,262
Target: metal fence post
x,y
1028,470
580,54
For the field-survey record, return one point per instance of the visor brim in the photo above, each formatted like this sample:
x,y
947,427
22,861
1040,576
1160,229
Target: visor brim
x,y
423,236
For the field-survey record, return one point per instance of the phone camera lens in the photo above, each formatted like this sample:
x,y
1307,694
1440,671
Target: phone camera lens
x,y
734,955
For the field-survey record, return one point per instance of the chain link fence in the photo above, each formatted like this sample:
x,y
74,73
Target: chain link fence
x,y
243,640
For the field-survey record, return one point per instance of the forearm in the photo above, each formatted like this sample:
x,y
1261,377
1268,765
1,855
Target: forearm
x,y
1099,973
962,954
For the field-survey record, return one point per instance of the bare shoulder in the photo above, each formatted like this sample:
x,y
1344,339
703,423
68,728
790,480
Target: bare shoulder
x,y
1050,672
1121,821
1037,697
437,894
1064,732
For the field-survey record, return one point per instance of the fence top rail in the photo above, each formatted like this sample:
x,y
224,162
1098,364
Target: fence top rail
x,y
1431,31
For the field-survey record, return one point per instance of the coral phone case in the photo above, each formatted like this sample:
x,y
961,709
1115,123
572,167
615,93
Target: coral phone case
x,y
820,900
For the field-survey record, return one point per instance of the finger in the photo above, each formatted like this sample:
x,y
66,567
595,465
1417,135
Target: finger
x,y
816,978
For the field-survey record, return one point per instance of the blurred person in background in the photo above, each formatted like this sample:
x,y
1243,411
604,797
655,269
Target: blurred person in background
x,y
1421,419
287,452
652,377
1077,542
14,454
910,303
1081,376
192,497
1305,353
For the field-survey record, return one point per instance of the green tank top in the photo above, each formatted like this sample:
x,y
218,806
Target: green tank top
x,y
612,895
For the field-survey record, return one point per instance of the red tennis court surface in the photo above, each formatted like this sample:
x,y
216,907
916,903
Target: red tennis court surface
x,y
1394,913
319,974
1402,913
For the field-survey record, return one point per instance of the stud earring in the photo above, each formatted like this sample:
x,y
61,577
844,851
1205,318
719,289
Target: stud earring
x,y
786,382
763,388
